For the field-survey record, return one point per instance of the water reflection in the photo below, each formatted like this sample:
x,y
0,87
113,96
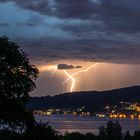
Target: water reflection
x,y
85,124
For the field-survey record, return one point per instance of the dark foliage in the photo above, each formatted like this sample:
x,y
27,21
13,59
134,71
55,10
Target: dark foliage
x,y
8,135
113,131
17,77
41,132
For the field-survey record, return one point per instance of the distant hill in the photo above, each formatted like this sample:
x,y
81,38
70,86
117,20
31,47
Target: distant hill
x,y
92,100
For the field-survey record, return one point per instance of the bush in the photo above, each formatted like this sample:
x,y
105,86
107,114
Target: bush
x,y
41,132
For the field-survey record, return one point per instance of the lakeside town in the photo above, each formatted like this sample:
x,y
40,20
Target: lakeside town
x,y
121,110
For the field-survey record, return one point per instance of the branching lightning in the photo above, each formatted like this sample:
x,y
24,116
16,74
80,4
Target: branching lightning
x,y
71,76
72,79
54,71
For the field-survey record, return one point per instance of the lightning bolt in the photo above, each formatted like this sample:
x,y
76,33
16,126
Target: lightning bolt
x,y
54,71
72,79
71,76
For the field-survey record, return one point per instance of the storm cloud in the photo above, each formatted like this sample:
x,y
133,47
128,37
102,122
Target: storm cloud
x,y
92,30
67,66
4,24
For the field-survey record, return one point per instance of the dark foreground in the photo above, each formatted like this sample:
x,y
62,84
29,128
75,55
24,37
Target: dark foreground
x,y
112,131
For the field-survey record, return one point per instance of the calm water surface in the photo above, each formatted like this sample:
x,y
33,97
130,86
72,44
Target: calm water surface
x,y
71,123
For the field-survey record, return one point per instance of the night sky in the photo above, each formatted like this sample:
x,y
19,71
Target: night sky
x,y
72,35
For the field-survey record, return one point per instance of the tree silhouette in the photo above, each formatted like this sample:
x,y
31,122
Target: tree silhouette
x,y
102,132
41,132
127,136
112,131
17,77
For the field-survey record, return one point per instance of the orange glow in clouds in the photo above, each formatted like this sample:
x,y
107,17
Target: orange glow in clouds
x,y
48,68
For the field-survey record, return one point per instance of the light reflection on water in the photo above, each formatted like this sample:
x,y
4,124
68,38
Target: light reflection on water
x,y
71,123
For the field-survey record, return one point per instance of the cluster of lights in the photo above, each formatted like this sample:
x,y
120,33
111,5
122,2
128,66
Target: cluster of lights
x,y
59,111
131,116
132,110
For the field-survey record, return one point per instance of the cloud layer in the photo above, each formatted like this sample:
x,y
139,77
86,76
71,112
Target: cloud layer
x,y
67,66
94,30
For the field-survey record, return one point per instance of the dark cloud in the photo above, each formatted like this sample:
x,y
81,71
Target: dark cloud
x,y
99,30
90,50
61,8
4,24
33,21
67,66
115,16
31,24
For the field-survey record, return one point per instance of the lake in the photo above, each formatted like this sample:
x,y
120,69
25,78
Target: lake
x,y
84,125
